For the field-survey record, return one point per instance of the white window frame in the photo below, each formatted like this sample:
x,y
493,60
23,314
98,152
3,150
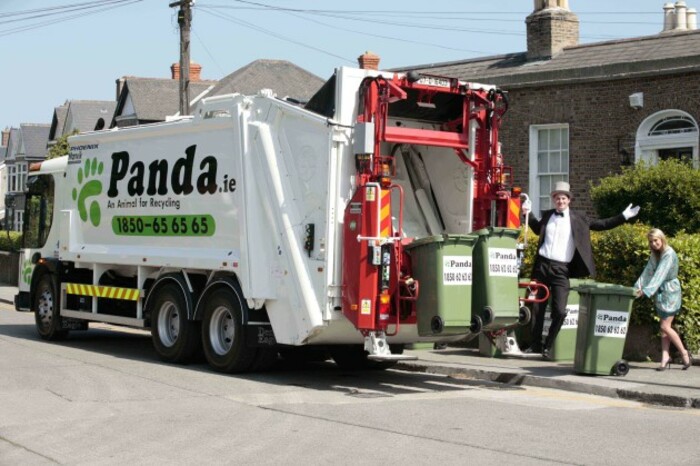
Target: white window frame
x,y
12,177
21,171
18,220
647,147
534,178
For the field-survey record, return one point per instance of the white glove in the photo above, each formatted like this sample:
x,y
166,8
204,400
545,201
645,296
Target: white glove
x,y
630,212
526,207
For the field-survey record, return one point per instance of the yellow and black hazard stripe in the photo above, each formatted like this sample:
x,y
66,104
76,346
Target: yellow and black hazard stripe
x,y
112,292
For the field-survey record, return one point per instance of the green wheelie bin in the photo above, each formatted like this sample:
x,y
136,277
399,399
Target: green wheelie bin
x,y
443,267
603,321
495,292
564,346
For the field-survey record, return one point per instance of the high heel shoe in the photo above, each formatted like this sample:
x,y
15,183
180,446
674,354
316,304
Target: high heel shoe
x,y
690,361
663,367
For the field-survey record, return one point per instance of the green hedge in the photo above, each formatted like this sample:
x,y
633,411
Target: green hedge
x,y
620,256
10,241
668,194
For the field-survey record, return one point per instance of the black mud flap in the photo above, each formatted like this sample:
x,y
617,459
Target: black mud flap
x,y
22,301
260,335
73,324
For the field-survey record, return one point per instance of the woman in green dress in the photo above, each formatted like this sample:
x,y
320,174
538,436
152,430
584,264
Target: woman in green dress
x,y
659,281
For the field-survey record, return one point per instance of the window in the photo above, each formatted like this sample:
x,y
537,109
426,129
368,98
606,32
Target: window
x,y
21,176
669,134
39,211
13,179
549,162
19,215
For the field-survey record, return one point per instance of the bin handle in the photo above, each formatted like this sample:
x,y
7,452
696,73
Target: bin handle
x,y
533,287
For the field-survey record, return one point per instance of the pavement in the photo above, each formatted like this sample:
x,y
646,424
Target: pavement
x,y
674,387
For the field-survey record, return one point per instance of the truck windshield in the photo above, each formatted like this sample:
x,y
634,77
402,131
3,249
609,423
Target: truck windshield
x,y
38,211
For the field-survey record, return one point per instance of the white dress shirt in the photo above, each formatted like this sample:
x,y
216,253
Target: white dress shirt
x,y
558,242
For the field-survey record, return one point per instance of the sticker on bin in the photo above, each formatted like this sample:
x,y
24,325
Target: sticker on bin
x,y
611,324
457,270
570,321
503,262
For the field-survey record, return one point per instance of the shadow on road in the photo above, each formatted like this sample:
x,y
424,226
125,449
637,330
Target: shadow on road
x,y
316,375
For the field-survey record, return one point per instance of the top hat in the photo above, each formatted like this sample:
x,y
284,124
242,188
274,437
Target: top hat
x,y
561,187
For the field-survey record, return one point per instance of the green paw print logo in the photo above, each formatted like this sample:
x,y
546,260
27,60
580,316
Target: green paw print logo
x,y
27,272
88,188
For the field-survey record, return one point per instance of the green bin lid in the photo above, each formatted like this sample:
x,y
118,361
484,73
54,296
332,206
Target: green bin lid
x,y
498,231
468,239
605,288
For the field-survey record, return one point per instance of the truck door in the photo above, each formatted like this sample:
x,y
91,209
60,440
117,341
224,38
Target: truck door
x,y
38,217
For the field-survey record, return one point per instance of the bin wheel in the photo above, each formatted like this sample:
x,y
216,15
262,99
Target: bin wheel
x,y
488,315
476,325
621,368
436,324
524,315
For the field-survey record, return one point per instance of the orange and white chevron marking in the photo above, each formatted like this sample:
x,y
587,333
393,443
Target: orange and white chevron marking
x,y
385,214
112,292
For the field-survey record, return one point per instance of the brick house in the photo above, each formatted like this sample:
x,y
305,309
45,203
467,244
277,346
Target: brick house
x,y
580,112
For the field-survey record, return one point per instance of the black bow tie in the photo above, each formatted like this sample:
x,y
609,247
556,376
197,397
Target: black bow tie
x,y
558,214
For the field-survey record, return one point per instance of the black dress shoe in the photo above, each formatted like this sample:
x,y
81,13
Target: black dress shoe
x,y
546,354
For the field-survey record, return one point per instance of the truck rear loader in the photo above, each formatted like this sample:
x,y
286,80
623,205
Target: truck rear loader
x,y
259,225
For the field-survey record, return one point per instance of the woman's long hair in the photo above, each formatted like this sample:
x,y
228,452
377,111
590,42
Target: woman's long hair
x,y
655,233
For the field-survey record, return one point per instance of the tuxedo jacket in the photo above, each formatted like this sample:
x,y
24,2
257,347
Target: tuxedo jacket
x,y
582,264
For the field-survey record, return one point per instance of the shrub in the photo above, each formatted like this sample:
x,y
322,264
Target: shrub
x,y
668,194
10,241
620,256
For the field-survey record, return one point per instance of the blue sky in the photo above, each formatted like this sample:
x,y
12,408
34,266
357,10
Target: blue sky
x,y
80,58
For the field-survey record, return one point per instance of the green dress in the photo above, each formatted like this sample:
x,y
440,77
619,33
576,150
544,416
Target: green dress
x,y
660,280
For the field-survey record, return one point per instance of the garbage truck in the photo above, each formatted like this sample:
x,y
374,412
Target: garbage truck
x,y
259,224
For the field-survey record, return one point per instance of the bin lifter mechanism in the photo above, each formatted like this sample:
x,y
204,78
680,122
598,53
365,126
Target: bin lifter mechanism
x,y
379,292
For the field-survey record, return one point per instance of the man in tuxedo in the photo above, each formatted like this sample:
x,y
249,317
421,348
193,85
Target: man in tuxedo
x,y
563,252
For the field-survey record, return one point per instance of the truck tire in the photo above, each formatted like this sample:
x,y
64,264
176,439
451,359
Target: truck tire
x,y
175,337
223,335
46,310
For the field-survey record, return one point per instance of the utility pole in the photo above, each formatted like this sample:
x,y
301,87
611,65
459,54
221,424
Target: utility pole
x,y
184,20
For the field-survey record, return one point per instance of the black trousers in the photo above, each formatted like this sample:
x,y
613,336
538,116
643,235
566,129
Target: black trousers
x,y
555,275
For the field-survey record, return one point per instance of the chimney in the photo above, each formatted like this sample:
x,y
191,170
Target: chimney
x,y
5,137
692,19
195,71
368,61
669,17
550,28
681,16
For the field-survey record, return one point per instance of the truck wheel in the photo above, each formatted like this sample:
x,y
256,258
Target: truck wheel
x,y
223,332
175,338
46,311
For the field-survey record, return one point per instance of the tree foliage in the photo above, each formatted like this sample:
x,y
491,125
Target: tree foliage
x,y
61,147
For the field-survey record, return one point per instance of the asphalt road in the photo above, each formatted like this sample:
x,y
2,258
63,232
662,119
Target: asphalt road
x,y
102,397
